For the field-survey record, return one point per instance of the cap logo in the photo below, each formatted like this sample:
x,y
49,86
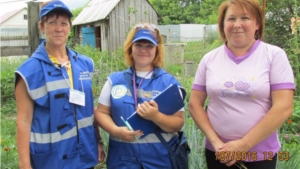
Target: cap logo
x,y
146,32
52,6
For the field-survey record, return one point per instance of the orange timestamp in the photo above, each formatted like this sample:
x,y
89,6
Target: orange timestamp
x,y
282,155
250,156
236,155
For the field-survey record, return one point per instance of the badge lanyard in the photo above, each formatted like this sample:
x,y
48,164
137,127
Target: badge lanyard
x,y
134,86
76,97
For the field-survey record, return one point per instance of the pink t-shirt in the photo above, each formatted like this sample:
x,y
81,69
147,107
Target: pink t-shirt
x,y
239,90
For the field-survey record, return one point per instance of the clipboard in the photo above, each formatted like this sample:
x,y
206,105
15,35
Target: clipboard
x,y
169,101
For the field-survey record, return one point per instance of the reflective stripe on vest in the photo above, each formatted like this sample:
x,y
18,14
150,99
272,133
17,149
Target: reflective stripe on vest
x,y
150,138
56,137
50,86
144,94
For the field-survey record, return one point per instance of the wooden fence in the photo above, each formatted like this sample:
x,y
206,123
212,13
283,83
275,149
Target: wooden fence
x,y
14,43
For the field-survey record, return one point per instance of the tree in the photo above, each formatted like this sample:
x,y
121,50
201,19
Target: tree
x,y
208,13
278,31
278,21
176,11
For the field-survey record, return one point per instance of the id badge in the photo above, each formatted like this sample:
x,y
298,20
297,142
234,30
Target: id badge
x,y
77,97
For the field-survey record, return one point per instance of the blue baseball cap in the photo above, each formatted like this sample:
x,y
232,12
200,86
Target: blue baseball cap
x,y
54,5
144,34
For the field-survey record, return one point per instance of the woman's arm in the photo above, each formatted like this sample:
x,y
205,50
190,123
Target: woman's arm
x,y
282,106
199,115
24,119
104,120
101,152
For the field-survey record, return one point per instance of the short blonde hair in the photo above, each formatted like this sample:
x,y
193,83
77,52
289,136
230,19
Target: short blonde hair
x,y
251,6
159,56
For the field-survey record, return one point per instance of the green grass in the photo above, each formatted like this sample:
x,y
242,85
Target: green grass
x,y
9,156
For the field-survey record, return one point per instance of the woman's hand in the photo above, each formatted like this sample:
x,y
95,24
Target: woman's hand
x,y
148,110
168,123
232,147
129,136
101,153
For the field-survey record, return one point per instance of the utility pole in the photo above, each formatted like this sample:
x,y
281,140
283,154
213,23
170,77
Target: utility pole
x,y
264,5
33,30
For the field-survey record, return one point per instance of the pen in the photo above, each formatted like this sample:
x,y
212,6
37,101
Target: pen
x,y
130,128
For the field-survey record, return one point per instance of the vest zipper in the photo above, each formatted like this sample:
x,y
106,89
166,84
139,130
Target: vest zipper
x,y
75,114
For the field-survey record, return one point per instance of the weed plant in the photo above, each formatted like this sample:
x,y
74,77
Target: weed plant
x,y
9,156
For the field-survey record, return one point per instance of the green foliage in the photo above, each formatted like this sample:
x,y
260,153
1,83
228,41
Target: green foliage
x,y
278,31
208,12
7,89
292,126
290,139
292,156
105,63
211,37
8,112
278,21
293,52
195,50
8,66
176,11
146,12
9,155
76,12
131,10
187,11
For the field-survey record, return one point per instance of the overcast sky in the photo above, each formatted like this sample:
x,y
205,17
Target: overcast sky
x,y
10,5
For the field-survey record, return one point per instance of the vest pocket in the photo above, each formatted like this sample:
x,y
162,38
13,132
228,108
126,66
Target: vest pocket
x,y
66,124
129,101
45,161
71,160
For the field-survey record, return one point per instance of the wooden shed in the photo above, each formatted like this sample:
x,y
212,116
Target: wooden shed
x,y
105,23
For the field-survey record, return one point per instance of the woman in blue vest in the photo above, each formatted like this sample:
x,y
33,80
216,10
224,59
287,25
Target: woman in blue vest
x,y
131,90
55,122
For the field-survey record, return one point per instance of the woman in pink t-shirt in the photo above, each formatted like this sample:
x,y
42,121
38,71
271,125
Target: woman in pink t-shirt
x,y
250,86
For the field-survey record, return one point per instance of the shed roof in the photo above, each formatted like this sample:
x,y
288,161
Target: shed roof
x,y
95,10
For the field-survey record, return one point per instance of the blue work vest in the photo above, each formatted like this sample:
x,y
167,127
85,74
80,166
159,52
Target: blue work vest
x,y
149,152
62,134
